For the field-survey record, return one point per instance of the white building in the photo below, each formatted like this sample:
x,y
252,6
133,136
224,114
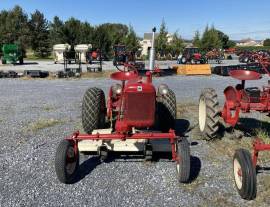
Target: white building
x,y
249,42
146,43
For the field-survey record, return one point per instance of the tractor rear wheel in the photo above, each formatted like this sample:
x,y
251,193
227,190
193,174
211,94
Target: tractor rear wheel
x,y
166,111
209,114
183,162
244,174
66,161
93,110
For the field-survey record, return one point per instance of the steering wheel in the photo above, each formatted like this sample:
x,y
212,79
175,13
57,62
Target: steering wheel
x,y
127,67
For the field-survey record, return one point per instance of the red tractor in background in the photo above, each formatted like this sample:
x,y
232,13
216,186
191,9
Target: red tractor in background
x,y
191,55
135,116
123,56
238,99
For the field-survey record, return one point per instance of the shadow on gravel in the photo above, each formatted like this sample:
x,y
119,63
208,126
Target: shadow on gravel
x,y
249,126
162,73
182,126
195,168
86,168
27,63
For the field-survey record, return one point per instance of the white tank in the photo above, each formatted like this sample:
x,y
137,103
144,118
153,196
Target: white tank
x,y
82,49
58,52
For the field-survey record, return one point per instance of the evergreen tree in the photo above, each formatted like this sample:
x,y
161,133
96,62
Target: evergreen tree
x,y
39,28
56,31
132,41
210,39
176,45
14,27
196,40
266,42
162,41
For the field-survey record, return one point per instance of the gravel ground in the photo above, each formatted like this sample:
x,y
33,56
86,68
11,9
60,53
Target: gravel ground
x,y
27,152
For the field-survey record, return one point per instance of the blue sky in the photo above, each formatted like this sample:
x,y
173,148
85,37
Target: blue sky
x,y
237,18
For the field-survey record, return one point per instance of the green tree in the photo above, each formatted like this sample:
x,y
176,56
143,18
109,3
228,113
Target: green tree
x,y
196,40
210,39
132,41
102,40
162,41
72,31
39,29
56,31
87,33
266,42
176,45
14,27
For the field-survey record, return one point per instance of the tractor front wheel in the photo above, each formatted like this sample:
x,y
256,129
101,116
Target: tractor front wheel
x,y
93,110
183,161
244,174
183,60
66,161
209,114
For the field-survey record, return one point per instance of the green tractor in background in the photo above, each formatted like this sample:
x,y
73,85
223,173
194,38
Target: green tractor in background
x,y
12,53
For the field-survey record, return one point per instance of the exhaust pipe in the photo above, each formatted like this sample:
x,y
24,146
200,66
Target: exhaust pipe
x,y
152,51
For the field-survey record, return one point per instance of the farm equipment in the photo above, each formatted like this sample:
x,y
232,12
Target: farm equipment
x,y
238,99
94,57
123,56
192,55
12,53
214,55
58,52
136,116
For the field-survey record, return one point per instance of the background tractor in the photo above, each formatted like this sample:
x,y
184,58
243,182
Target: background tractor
x,y
237,99
136,117
12,53
192,55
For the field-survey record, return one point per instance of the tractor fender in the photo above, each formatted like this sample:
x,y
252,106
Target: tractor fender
x,y
232,103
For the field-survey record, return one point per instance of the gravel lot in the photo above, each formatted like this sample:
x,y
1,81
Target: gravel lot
x,y
27,151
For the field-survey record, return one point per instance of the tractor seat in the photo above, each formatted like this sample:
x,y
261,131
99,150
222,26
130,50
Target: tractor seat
x,y
253,94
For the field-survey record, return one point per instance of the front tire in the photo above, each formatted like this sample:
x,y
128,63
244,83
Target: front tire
x,y
208,114
93,110
183,60
66,161
183,162
244,174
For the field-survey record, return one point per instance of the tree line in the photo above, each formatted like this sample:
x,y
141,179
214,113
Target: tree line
x,y
35,32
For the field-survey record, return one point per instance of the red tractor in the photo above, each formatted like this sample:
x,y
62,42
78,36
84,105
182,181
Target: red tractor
x,y
136,116
191,55
237,99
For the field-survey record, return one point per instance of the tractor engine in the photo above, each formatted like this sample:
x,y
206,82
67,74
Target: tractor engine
x,y
138,106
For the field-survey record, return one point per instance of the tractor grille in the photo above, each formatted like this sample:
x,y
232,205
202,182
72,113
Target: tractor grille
x,y
140,107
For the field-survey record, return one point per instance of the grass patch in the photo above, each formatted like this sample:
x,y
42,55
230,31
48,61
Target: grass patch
x,y
183,108
48,108
103,74
262,134
42,124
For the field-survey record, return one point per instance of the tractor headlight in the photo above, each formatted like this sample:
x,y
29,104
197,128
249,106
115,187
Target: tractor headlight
x,y
163,89
117,89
